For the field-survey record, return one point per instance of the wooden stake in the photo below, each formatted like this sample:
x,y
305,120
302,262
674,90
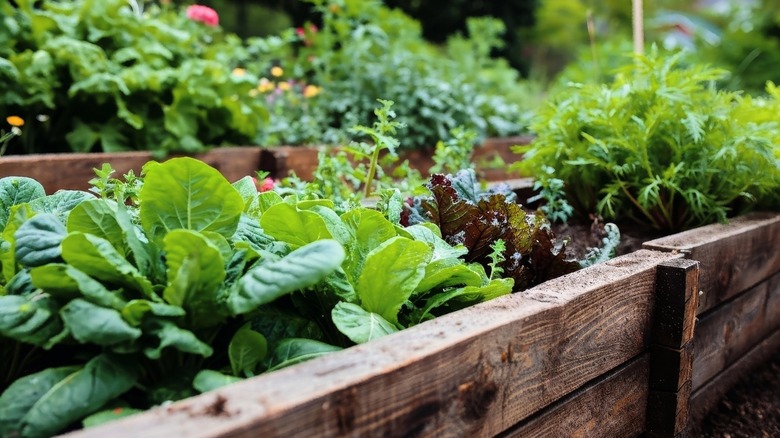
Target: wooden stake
x,y
639,27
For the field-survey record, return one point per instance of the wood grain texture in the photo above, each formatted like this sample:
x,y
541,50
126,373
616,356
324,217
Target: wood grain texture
x,y
73,171
705,398
734,257
613,405
283,161
729,331
671,368
475,372
677,291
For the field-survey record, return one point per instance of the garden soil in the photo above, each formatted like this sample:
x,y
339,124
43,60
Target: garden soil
x,y
751,409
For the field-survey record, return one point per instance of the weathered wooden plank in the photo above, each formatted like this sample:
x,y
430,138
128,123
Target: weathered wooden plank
x,y
613,405
733,256
671,368
668,412
73,171
707,396
729,331
677,291
475,372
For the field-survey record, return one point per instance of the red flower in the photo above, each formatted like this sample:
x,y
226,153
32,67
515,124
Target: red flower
x,y
266,186
204,14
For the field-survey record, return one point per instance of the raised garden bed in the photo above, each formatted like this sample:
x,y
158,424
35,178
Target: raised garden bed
x,y
610,350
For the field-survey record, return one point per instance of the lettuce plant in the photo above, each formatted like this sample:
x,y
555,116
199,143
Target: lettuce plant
x,y
177,282
660,146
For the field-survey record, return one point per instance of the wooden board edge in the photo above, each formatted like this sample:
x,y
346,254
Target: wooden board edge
x,y
611,405
707,396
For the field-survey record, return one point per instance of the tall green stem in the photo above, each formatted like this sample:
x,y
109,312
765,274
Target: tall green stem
x,y
371,170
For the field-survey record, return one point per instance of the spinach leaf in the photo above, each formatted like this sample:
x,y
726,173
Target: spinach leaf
x,y
19,398
135,311
391,273
369,229
466,296
301,268
246,350
360,325
292,351
99,218
209,380
184,193
15,190
30,318
297,227
196,271
38,240
17,216
66,282
99,259
60,204
90,323
78,394
171,335
448,272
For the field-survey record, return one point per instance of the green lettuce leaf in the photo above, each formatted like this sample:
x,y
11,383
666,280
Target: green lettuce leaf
x,y
246,350
286,223
301,268
184,193
292,351
360,325
209,380
38,241
15,190
90,323
391,273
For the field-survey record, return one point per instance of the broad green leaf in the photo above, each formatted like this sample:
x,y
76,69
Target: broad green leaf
x,y
38,241
278,324
196,271
219,242
143,253
360,325
247,189
209,380
171,335
430,234
31,318
15,190
310,204
391,273
333,223
250,231
20,284
81,393
267,200
135,311
292,351
246,350
99,259
468,295
297,227
60,204
184,193
369,229
98,217
19,398
108,415
66,282
89,323
19,214
338,284
448,272
301,268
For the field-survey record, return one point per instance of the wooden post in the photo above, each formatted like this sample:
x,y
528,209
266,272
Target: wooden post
x,y
639,27
671,350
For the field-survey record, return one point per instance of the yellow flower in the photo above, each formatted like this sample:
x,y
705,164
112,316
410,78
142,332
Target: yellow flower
x,y
276,71
265,85
311,91
238,71
15,121
284,86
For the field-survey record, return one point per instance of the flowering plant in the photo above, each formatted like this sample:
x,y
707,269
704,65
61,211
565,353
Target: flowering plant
x,y
204,14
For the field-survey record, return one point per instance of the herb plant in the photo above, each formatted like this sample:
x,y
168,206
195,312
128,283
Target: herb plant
x,y
660,146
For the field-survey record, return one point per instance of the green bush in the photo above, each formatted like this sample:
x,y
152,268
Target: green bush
x,y
660,145
365,51
104,76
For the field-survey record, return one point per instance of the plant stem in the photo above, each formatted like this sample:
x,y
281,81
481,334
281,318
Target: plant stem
x,y
372,170
639,206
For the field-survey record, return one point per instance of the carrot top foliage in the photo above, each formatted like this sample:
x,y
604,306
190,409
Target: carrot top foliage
x,y
660,145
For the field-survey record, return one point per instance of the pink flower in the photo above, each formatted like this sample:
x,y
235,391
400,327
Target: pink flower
x,y
204,14
266,186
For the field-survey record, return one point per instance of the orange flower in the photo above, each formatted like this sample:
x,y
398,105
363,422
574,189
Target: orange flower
x,y
15,121
311,91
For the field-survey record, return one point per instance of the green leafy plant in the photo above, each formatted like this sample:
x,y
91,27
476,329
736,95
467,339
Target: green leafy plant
x,y
99,76
176,281
659,146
